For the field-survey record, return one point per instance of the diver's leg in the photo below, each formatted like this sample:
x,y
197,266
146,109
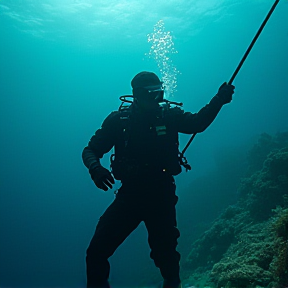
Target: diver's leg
x,y
117,222
162,236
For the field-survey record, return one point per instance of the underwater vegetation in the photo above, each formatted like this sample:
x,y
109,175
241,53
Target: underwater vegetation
x,y
247,245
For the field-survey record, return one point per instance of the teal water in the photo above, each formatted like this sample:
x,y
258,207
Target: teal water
x,y
63,65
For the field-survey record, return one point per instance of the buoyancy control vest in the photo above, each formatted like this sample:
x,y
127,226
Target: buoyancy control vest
x,y
145,146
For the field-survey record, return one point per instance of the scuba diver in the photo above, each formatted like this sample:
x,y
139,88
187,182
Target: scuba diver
x,y
145,138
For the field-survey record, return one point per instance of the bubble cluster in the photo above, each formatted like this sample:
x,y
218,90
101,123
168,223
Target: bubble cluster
x,y
162,48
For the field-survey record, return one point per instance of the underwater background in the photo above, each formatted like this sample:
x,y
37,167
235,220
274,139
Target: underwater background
x,y
63,66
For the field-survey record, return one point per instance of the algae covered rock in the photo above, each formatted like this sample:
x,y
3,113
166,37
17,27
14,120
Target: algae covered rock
x,y
247,245
265,189
209,249
259,257
265,144
248,260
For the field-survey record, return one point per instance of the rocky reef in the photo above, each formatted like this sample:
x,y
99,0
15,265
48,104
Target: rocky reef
x,y
247,245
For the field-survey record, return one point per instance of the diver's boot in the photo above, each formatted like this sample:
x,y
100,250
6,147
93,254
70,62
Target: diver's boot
x,y
171,284
102,285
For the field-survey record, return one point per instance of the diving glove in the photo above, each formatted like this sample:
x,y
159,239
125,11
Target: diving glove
x,y
101,176
225,93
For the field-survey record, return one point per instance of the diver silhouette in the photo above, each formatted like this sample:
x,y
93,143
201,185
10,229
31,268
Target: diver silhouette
x,y
145,138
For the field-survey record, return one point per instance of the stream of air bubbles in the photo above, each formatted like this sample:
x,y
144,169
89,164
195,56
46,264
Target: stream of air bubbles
x,y
162,49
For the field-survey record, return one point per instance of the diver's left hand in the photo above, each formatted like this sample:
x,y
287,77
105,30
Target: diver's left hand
x,y
225,93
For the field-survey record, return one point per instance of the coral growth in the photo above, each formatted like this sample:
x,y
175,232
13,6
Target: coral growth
x,y
247,246
264,190
280,226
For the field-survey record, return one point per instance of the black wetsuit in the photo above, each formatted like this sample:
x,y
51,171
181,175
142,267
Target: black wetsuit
x,y
146,158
